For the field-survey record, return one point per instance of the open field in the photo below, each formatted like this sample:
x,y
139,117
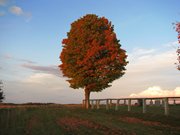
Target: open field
x,y
73,120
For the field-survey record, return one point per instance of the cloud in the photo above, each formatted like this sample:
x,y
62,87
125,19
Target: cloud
x,y
52,69
139,54
41,87
152,60
16,10
27,61
20,12
156,91
143,51
173,45
42,78
3,2
10,57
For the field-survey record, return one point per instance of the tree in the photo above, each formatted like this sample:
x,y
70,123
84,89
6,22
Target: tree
x,y
92,57
1,92
178,50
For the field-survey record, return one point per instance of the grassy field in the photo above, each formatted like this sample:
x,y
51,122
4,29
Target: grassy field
x,y
73,120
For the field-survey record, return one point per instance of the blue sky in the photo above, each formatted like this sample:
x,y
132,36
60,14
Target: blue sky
x,y
30,43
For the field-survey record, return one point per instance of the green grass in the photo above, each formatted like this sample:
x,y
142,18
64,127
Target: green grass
x,y
64,120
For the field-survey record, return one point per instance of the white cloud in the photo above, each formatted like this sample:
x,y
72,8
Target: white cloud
x,y
49,80
20,12
42,78
41,87
157,91
152,60
137,53
173,45
16,10
143,51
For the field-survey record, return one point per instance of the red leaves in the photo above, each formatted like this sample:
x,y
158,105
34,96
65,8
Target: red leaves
x,y
178,30
91,55
105,20
65,41
178,50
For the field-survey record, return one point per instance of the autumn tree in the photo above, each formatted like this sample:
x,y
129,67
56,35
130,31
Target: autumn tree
x,y
92,56
178,50
1,92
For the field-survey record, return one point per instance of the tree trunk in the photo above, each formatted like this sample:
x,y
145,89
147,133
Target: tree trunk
x,y
87,96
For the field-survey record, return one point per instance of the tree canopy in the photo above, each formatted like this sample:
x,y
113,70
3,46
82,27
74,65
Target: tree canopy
x,y
92,56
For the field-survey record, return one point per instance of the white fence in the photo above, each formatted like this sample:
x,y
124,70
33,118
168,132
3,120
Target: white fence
x,y
157,101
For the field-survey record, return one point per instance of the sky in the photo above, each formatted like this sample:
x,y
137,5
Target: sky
x,y
31,32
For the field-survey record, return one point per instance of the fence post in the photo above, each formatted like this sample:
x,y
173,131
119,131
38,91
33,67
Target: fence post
x,y
110,103
129,105
117,105
174,102
83,103
107,104
97,104
163,103
166,106
124,101
144,105
92,104
151,103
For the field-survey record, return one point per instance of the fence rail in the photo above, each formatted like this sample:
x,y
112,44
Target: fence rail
x,y
95,103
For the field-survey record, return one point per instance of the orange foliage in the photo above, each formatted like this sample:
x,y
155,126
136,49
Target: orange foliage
x,y
92,56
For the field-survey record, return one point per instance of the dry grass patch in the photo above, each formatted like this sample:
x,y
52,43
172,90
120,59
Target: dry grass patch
x,y
148,123
73,124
